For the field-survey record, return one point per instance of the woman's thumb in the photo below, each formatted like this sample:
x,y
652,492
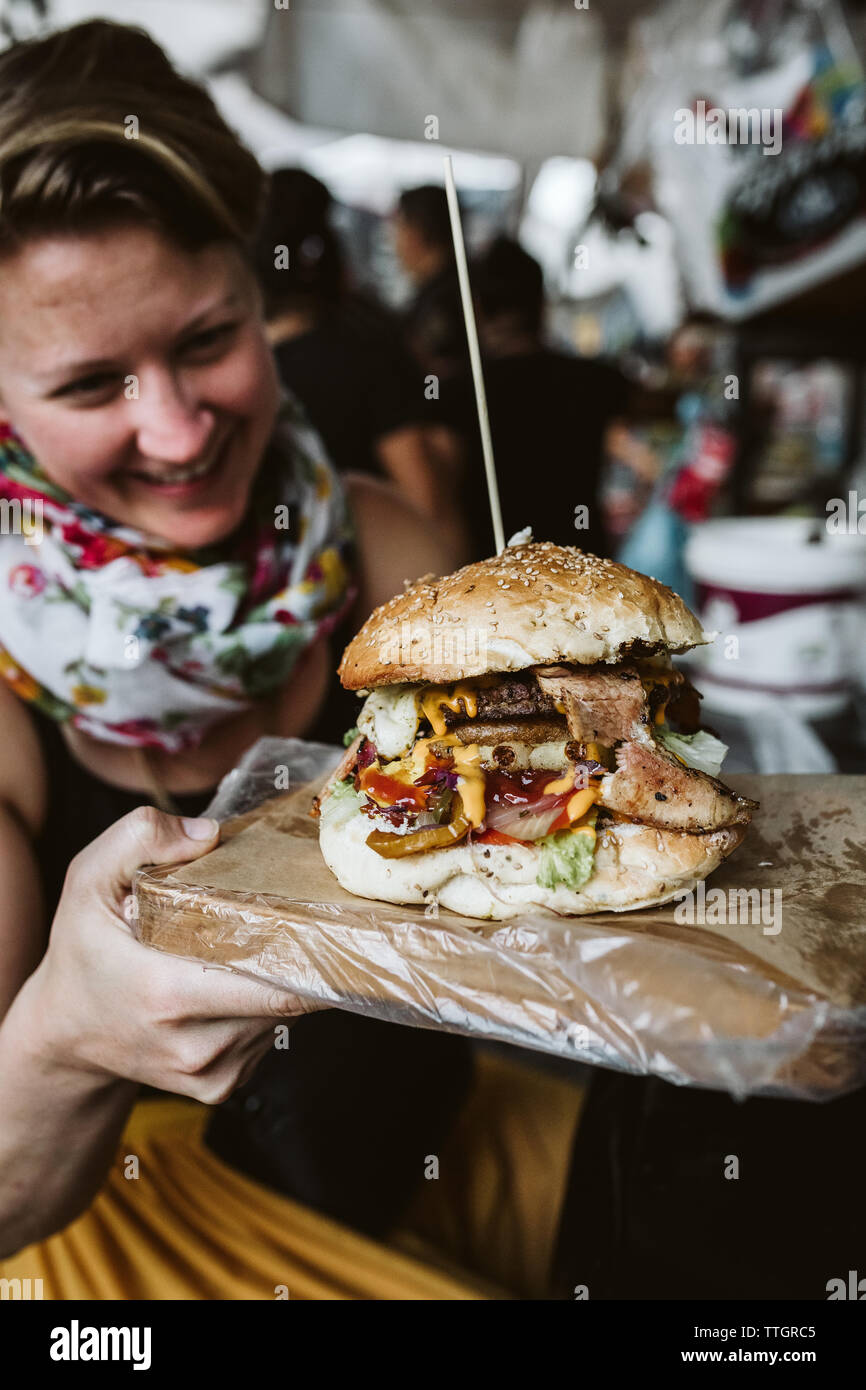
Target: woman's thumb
x,y
145,836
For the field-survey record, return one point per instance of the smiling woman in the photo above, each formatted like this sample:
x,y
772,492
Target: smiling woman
x,y
198,555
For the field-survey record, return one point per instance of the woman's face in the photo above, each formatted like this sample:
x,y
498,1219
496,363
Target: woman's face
x,y
139,377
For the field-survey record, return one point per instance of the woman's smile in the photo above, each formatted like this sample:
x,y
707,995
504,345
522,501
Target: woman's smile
x,y
184,480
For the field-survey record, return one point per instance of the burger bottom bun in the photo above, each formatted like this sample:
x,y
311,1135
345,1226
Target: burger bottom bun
x,y
635,866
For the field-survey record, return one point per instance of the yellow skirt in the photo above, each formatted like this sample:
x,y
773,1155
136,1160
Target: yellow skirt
x,y
190,1227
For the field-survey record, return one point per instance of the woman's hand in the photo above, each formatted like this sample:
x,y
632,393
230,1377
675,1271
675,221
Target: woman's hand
x,y
107,1004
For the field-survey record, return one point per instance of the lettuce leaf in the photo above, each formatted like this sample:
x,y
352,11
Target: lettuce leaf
x,y
350,735
701,750
342,804
567,858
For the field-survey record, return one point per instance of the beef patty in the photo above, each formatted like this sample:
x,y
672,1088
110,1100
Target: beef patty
x,y
513,697
533,730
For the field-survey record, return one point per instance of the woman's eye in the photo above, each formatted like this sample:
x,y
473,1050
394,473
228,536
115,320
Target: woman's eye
x,y
88,385
211,337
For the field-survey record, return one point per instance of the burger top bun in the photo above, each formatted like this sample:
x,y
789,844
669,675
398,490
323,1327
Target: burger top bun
x,y
532,605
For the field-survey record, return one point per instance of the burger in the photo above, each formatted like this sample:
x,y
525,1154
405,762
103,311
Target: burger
x,y
526,742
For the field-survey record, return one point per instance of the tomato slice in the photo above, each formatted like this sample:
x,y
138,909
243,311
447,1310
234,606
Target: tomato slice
x,y
388,791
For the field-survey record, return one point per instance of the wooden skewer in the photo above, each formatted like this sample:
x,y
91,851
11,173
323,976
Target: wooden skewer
x,y
474,355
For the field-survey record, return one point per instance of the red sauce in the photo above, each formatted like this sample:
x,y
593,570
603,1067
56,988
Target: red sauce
x,y
517,788
391,792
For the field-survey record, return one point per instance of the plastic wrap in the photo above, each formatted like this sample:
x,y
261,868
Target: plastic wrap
x,y
726,1008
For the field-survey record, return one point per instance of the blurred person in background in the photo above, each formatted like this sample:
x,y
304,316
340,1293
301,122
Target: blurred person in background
x,y
343,355
549,412
667,470
433,320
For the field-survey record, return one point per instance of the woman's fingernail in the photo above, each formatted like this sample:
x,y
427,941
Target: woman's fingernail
x,y
200,827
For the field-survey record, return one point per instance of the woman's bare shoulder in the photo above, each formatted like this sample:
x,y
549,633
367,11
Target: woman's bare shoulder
x,y
395,541
366,491
23,775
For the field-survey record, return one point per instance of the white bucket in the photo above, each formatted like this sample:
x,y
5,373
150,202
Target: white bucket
x,y
790,615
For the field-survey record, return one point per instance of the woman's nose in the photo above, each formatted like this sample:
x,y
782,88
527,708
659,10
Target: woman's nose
x,y
171,425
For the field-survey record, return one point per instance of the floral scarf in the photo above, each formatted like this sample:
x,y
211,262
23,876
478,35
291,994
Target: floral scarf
x,y
140,645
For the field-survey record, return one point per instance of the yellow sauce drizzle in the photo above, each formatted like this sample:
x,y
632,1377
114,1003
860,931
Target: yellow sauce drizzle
x,y
580,803
560,784
436,696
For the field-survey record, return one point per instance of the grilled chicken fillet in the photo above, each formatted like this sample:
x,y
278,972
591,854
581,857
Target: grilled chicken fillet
x,y
653,787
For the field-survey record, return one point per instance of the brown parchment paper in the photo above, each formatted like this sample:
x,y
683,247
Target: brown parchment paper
x,y
773,1003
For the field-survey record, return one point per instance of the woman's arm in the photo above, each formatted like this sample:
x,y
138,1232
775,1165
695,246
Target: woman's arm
x,y
60,1128
23,930
102,1013
22,921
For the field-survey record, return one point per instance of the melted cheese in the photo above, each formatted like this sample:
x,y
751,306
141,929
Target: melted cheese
x,y
432,700
586,826
470,782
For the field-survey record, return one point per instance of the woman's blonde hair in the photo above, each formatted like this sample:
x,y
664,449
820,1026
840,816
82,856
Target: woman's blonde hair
x,y
97,127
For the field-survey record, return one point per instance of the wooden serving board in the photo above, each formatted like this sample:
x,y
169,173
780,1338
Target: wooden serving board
x,y
723,1005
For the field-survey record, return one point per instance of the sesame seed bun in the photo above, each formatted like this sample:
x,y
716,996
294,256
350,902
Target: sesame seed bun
x,y
532,605
635,866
